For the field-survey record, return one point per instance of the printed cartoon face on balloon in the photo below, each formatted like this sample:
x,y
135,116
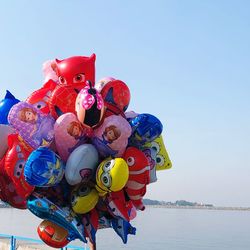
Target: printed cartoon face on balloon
x,y
111,137
111,133
73,73
28,115
40,98
75,129
138,175
111,175
84,199
35,128
76,69
70,134
44,168
158,157
89,106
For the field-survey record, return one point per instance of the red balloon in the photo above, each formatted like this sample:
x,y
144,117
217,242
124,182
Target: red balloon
x,y
40,98
63,99
117,204
75,70
116,95
52,234
90,221
7,190
15,159
139,169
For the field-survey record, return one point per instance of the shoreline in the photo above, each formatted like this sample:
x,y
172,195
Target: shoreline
x,y
201,207
188,207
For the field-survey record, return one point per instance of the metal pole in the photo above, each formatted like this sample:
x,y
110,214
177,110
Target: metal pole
x,y
12,243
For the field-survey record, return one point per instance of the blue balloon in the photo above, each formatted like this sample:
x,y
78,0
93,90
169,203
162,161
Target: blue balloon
x,y
5,106
145,128
62,216
123,228
44,168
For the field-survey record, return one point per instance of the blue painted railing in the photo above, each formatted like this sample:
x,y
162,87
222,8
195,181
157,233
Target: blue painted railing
x,y
13,240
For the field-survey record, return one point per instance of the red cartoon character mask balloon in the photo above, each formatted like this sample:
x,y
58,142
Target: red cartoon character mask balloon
x,y
73,73
76,69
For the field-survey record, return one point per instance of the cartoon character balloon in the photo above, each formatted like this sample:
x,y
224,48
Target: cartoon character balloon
x,y
83,199
89,106
111,138
15,159
36,128
73,73
69,134
138,176
8,192
5,106
74,157
157,153
76,69
111,175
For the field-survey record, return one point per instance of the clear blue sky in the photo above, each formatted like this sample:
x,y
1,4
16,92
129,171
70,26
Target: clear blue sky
x,y
187,62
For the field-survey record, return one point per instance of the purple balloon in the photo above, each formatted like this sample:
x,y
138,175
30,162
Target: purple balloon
x,y
36,128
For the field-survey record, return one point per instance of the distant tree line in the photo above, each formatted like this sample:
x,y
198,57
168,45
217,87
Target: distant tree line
x,y
176,203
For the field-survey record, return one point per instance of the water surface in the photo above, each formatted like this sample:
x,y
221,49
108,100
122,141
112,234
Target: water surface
x,y
157,229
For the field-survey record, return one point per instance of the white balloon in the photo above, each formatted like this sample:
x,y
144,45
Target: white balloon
x,y
81,164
